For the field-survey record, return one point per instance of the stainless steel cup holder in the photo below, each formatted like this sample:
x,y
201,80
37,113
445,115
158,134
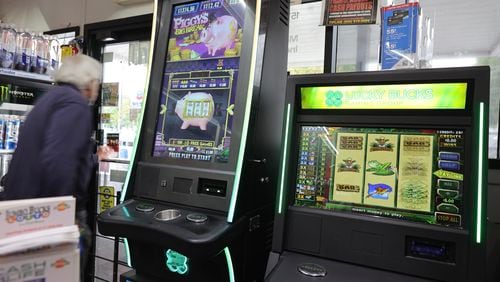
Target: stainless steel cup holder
x,y
167,215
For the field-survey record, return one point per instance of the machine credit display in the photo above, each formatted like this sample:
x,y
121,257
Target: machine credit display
x,y
195,115
407,174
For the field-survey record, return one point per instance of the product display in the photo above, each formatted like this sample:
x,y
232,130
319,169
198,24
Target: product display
x,y
28,51
399,32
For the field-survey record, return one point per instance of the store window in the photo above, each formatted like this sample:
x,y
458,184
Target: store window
x,y
124,74
465,34
306,41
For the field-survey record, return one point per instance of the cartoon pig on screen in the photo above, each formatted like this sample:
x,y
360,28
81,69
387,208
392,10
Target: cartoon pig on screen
x,y
220,33
195,109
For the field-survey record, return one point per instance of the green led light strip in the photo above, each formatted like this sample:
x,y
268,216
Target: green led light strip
x,y
480,174
283,160
246,120
230,268
127,251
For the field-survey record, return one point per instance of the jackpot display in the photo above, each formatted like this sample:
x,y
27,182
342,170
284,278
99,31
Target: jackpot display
x,y
200,79
407,174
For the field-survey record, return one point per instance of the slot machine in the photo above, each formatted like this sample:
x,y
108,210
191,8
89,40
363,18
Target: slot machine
x,y
387,173
199,200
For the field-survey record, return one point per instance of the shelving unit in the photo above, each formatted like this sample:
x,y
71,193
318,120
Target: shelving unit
x,y
28,75
15,107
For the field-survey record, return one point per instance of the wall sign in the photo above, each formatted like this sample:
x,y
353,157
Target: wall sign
x,y
350,12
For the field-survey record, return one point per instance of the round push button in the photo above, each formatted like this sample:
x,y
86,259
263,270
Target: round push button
x,y
145,208
312,270
196,217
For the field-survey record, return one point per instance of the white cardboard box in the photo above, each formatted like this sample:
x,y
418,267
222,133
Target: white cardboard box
x,y
23,216
58,264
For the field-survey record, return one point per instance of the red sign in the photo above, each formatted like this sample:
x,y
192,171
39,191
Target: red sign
x,y
350,12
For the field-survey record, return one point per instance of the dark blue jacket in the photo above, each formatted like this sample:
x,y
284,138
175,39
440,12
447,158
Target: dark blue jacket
x,y
53,155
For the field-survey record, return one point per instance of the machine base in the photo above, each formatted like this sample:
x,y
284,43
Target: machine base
x,y
287,270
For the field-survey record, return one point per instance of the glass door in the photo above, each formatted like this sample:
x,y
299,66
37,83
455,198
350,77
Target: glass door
x,y
124,76
122,46
125,66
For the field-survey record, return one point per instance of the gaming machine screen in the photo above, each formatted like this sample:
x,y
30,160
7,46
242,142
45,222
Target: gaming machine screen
x,y
407,174
199,84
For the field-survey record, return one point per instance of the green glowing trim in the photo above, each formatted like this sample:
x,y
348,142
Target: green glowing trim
x,y
143,106
127,251
246,120
283,160
480,174
125,211
176,262
230,268
428,96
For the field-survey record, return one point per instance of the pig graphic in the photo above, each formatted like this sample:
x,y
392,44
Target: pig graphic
x,y
195,109
220,33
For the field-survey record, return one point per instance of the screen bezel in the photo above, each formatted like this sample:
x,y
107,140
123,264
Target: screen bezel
x,y
156,86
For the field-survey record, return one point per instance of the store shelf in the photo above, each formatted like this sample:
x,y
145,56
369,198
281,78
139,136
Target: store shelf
x,y
15,107
23,74
4,152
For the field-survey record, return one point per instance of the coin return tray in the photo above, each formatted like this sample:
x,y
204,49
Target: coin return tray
x,y
167,215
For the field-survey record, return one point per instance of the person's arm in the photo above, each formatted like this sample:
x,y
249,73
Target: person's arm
x,y
66,141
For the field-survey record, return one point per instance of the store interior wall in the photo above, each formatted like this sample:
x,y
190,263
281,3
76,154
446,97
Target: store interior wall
x,y
44,15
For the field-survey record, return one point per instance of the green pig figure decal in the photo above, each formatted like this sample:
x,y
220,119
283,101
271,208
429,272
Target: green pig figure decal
x,y
195,109
176,262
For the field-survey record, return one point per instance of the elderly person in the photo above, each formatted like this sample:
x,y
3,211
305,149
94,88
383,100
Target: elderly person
x,y
53,155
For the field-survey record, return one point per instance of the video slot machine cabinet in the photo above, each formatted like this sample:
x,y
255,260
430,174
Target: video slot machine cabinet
x,y
199,203
383,175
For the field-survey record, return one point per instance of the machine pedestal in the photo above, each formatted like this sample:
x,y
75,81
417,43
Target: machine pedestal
x,y
288,265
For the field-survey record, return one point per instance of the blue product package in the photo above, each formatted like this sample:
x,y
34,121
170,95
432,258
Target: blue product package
x,y
2,132
11,133
399,35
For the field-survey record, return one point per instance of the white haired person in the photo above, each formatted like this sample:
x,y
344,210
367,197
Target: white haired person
x,y
54,153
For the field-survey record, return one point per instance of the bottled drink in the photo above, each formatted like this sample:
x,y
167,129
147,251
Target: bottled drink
x,y
11,132
53,54
23,50
1,42
39,60
8,46
2,131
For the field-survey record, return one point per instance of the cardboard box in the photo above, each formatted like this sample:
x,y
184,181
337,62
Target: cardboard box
x,y
50,265
24,216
